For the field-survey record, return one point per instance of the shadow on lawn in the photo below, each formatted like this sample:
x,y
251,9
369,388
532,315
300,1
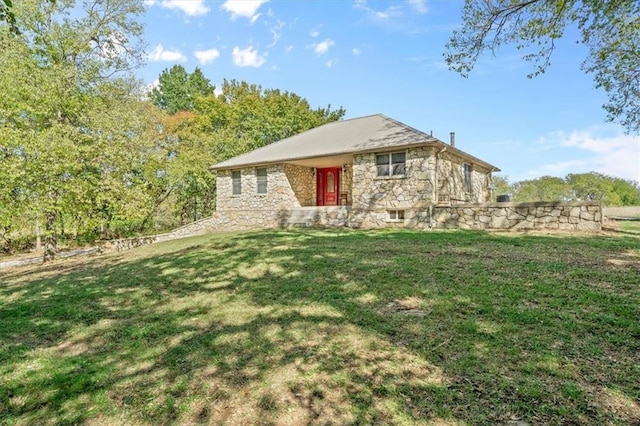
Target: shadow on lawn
x,y
302,327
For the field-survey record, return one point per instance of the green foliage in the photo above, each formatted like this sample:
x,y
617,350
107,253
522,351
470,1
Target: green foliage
x,y
501,185
261,116
177,89
82,153
242,118
76,133
592,186
546,188
610,30
7,15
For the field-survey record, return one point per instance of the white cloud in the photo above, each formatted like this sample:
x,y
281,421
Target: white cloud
x,y
146,90
189,7
277,33
323,47
378,15
356,51
206,56
243,8
314,33
289,48
419,6
331,62
149,2
159,54
600,149
248,57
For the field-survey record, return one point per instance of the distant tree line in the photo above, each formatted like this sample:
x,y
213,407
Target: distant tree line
x,y
592,186
85,153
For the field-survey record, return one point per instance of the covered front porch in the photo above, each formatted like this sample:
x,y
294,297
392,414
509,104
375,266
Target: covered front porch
x,y
329,181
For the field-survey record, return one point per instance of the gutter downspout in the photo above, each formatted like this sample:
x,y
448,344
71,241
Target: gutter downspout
x,y
490,185
434,191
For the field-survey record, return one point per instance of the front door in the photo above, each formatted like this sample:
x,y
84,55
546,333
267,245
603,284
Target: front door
x,y
328,186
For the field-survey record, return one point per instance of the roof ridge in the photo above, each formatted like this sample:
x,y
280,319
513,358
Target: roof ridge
x,y
400,123
352,119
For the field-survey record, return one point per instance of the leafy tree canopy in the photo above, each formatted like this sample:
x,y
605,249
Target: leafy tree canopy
x,y
243,117
75,132
610,29
177,89
261,116
592,186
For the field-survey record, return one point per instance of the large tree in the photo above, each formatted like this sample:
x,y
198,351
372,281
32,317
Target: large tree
x,y
609,28
243,117
262,116
69,114
177,89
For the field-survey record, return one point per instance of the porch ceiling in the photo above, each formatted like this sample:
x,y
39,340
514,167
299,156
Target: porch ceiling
x,y
320,162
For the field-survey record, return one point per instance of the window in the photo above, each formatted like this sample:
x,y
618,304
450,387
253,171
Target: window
x,y
396,215
467,177
261,176
331,187
392,164
236,183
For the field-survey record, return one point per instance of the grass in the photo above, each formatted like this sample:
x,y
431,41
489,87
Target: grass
x,y
320,327
630,226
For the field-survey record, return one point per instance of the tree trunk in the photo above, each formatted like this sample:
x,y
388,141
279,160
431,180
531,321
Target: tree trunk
x,y
50,238
38,235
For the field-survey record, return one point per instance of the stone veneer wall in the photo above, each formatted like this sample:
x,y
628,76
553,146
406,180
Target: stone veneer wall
x,y
451,181
280,193
569,216
371,192
415,189
303,183
346,181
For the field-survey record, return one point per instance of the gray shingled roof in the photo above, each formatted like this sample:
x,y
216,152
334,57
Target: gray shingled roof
x,y
365,134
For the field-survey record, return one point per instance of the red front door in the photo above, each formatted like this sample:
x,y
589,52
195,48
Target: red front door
x,y
328,186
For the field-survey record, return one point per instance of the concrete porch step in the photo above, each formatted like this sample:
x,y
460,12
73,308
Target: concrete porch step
x,y
309,216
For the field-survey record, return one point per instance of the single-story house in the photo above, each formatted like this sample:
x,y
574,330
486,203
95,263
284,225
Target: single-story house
x,y
378,170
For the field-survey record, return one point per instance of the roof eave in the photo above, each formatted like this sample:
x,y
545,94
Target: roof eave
x,y
329,154
430,142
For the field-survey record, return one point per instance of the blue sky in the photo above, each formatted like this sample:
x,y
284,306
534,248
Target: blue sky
x,y
386,57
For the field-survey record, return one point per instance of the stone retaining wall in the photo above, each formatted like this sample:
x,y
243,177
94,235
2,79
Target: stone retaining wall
x,y
569,216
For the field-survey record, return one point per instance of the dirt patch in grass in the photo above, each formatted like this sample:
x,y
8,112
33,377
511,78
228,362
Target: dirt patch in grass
x,y
412,306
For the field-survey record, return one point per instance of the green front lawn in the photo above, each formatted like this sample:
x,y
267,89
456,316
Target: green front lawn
x,y
328,327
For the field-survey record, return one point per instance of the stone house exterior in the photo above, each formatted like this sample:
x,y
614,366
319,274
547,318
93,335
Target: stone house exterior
x,y
371,171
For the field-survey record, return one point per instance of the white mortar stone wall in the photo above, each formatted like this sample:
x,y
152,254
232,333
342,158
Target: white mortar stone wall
x,y
279,194
568,216
415,189
451,189
302,181
346,182
371,192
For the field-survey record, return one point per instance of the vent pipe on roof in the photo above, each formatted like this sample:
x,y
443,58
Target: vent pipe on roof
x,y
453,139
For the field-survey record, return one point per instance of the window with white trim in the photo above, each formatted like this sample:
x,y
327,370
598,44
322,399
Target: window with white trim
x,y
236,182
391,164
467,177
261,178
395,215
